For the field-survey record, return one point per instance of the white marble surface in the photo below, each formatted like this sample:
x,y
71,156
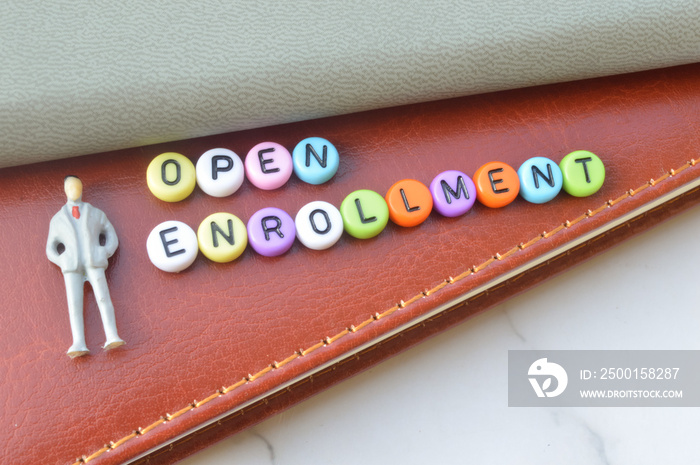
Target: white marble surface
x,y
445,400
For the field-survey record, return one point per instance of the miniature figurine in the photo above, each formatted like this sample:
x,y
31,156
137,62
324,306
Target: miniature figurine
x,y
81,239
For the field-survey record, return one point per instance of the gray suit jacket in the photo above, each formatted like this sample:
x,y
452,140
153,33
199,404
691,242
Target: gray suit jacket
x,y
65,230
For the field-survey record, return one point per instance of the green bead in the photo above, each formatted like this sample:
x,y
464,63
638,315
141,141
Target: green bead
x,y
365,214
584,173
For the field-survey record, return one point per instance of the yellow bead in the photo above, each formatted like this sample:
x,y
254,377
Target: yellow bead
x,y
171,177
222,237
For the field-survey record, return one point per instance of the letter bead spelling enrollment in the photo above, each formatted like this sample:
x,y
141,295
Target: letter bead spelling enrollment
x,y
222,237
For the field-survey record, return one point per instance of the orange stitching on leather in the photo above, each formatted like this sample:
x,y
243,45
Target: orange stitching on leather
x,y
378,316
208,399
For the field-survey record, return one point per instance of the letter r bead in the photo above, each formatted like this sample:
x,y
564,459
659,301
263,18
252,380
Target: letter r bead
x,y
271,231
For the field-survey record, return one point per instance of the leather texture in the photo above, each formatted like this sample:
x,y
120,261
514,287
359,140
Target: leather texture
x,y
203,342
87,77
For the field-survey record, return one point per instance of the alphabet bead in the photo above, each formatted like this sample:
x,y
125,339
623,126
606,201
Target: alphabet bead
x,y
268,165
220,172
409,202
365,214
315,160
497,184
171,177
540,180
172,246
271,231
319,225
222,237
583,172
453,193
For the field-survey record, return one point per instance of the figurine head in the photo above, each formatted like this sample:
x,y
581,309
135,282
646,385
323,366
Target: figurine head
x,y
73,187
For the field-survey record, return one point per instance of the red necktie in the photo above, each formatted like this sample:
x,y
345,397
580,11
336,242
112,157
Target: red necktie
x,y
76,213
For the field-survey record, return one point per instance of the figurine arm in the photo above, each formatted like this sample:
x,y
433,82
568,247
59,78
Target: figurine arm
x,y
111,240
52,243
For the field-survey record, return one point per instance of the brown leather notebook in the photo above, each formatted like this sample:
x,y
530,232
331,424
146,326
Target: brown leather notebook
x,y
207,346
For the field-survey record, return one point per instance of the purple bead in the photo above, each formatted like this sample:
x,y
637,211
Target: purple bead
x,y
453,193
271,231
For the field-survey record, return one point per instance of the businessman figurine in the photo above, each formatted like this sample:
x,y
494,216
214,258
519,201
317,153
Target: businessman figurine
x,y
81,239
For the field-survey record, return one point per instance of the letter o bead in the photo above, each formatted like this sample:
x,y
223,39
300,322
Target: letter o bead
x,y
584,173
497,184
220,172
222,237
319,225
409,202
315,160
171,177
172,246
453,193
271,231
540,180
268,166
365,214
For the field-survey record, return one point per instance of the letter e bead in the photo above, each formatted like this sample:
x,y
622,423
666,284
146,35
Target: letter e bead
x,y
172,246
497,184
268,166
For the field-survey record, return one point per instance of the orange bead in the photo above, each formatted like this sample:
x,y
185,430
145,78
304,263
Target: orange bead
x,y
410,202
497,184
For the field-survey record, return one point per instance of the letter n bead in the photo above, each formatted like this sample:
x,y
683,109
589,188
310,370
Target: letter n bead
x,y
497,184
365,214
171,177
315,160
319,225
583,172
540,180
172,246
222,237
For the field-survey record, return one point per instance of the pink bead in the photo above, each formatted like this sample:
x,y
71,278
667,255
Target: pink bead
x,y
268,165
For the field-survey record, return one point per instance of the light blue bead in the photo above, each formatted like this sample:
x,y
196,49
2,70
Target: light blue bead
x,y
540,180
315,160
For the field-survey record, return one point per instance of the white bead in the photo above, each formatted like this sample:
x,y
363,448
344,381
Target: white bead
x,y
319,225
172,246
220,176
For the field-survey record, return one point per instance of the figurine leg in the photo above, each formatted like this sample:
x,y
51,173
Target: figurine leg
x,y
97,279
74,292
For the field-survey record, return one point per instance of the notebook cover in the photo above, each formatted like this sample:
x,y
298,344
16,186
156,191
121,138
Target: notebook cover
x,y
212,344
160,71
